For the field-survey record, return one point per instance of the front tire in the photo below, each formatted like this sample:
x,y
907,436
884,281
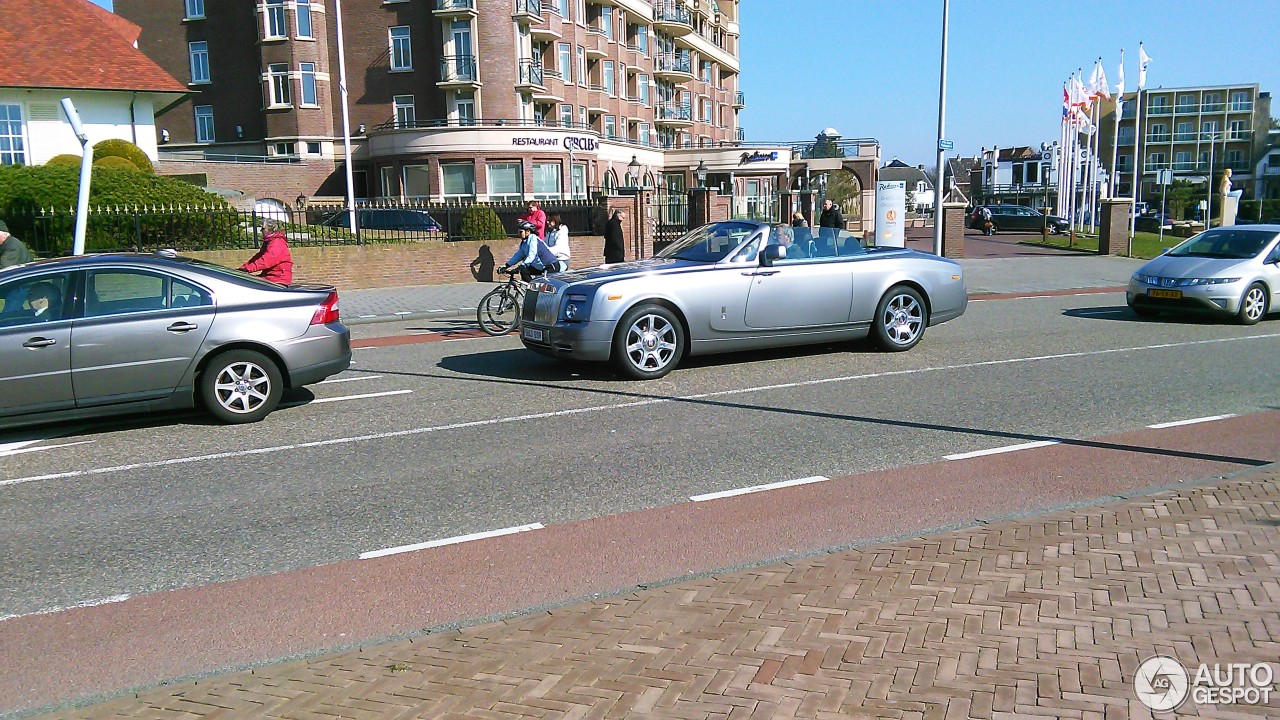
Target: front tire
x,y
1253,306
900,319
497,313
241,386
648,343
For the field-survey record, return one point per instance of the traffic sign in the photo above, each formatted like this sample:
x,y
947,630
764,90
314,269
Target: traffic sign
x,y
945,144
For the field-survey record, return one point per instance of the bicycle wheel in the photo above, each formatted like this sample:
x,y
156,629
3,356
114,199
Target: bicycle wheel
x,y
499,311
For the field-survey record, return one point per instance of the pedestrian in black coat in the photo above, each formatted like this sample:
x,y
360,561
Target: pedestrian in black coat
x,y
831,218
614,246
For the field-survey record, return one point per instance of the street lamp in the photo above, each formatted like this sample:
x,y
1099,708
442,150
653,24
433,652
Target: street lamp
x,y
700,173
633,172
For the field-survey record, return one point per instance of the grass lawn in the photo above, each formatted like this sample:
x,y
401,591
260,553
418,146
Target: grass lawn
x,y
1145,245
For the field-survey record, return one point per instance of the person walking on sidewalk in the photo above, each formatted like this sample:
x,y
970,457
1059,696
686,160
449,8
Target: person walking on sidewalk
x,y
273,261
831,221
558,240
12,250
538,218
615,246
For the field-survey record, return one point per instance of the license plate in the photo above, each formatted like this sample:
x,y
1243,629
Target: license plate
x,y
1167,294
533,334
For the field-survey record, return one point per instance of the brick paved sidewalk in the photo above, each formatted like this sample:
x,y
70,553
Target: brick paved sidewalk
x,y
1034,618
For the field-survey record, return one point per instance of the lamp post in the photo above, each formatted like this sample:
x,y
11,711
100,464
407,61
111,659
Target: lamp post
x,y
942,128
86,176
633,172
346,123
700,174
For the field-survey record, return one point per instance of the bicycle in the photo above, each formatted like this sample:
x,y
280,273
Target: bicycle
x,y
499,310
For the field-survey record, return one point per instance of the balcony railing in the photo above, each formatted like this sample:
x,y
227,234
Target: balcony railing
x,y
669,62
1241,107
458,68
1159,110
455,5
739,99
1212,107
529,8
1159,137
674,111
530,72
670,12
742,135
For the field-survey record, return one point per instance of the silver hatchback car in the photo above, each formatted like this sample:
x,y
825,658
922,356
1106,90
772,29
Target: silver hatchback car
x,y
1228,271
107,334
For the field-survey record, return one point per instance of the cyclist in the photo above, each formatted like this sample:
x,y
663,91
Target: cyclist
x,y
533,257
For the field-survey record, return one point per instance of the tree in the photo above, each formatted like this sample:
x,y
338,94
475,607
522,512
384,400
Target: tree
x,y
1181,194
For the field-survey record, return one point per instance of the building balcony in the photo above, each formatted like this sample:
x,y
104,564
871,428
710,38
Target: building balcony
x,y
596,44
739,99
1159,110
527,11
741,134
544,32
1239,134
1185,137
1159,138
672,18
455,8
458,71
673,114
530,75
677,68
1242,107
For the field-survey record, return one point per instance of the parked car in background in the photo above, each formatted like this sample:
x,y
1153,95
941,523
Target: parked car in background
x,y
108,334
1007,217
1229,271
740,285
386,219
1153,222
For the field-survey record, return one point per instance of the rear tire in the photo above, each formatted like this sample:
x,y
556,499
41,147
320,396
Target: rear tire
x,y
497,313
241,386
900,319
1253,306
648,342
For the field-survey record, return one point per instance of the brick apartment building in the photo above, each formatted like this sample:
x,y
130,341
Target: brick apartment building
x,y
458,99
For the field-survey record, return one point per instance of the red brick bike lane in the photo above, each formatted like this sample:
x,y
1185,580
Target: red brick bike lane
x,y
94,652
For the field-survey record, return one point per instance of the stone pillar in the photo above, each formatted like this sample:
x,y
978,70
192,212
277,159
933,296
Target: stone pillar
x,y
1230,208
699,207
1113,235
721,207
953,229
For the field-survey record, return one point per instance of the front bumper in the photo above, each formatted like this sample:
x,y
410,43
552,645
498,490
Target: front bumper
x,y
589,341
1217,299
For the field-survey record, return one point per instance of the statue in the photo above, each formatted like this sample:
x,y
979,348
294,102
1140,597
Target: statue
x,y
1224,188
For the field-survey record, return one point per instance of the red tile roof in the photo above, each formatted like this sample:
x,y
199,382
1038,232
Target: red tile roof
x,y
74,44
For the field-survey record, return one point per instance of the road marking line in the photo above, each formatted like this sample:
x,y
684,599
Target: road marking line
x,y
350,379
20,451
317,401
85,604
330,442
366,316
757,488
1005,449
449,541
404,312
1193,421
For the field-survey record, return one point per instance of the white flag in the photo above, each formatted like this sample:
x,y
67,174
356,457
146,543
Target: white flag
x,y
1142,66
1102,88
1120,82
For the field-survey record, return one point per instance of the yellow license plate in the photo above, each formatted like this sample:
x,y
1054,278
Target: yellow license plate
x,y
1167,294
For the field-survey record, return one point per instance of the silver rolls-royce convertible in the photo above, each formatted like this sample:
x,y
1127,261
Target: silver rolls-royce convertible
x,y
740,285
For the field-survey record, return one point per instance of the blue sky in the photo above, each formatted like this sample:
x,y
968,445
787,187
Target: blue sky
x,y
869,68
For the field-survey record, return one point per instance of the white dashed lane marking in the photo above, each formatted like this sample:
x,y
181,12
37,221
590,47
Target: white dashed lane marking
x,y
1193,421
1005,449
449,541
757,488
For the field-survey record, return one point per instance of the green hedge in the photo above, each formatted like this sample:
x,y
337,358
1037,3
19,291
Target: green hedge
x,y
480,222
1249,209
34,202
125,149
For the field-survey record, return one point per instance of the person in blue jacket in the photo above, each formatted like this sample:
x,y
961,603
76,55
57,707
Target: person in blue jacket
x,y
533,257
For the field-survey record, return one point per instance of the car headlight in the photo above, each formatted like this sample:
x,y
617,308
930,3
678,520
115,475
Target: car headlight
x,y
1148,279
1192,282
575,308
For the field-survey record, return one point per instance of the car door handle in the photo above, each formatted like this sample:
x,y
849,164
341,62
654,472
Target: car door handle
x,y
181,327
39,342
762,273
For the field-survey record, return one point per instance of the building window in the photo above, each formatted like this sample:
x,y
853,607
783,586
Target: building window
x,y
1209,130
566,62
562,8
707,110
465,108
607,74
204,123
578,181
274,19
401,48
404,111
1186,103
1124,163
195,9
566,115
308,72
1235,160
459,179
304,18
199,54
279,75
504,181
388,177
644,134
285,148
1182,160
642,38
314,148
1126,136
12,145
417,181
1240,101
582,116
610,127
1238,131
706,71
1212,102
643,84
606,21
546,181
582,66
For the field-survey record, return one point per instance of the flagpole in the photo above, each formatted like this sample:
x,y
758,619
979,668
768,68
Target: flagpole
x,y
1059,158
1137,141
1115,138
346,124
1093,170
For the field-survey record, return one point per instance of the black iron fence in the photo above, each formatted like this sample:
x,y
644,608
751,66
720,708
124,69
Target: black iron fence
x,y
50,232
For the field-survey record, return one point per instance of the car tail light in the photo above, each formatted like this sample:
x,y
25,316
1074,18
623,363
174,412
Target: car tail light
x,y
328,310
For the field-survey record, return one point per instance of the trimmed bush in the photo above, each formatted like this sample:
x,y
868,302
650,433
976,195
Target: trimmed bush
x,y
115,162
66,160
1249,209
125,149
480,222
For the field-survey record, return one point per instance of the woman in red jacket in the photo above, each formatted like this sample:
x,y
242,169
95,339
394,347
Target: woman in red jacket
x,y
273,261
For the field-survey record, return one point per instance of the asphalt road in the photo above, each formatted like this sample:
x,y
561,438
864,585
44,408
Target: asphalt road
x,y
432,440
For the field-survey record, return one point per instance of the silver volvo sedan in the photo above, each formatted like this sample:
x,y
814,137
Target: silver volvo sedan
x,y
1225,271
740,285
106,334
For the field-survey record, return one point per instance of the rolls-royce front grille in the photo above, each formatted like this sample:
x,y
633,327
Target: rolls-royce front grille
x,y
539,308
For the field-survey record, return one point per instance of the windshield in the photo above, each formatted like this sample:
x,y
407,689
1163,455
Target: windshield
x,y
1229,243
709,243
